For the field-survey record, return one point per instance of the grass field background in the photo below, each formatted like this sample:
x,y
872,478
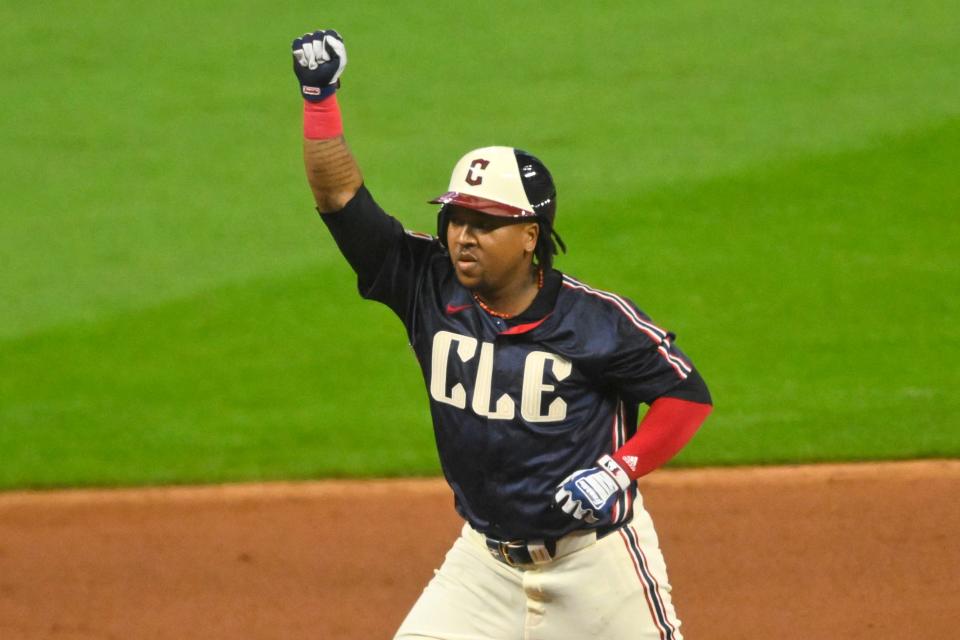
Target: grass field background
x,y
775,183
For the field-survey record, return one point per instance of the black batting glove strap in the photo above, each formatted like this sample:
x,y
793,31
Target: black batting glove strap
x,y
318,60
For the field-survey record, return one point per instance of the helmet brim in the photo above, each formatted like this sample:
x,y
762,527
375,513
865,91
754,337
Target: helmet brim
x,y
483,205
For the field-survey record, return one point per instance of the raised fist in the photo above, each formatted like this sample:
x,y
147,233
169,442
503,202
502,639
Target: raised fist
x,y
318,61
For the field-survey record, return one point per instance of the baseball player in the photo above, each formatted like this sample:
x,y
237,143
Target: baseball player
x,y
535,380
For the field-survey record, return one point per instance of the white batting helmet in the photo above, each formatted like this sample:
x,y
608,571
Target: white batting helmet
x,y
504,182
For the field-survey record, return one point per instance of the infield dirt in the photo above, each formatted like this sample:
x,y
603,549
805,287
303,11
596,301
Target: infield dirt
x,y
830,551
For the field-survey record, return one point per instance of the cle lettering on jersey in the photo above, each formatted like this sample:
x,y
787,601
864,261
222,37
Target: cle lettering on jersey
x,y
535,385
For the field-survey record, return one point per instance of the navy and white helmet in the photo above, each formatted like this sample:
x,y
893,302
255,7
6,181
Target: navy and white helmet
x,y
504,182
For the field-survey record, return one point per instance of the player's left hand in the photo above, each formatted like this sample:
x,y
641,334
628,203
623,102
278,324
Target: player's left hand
x,y
589,494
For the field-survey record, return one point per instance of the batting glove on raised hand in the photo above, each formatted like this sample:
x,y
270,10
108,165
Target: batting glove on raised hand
x,y
318,61
589,494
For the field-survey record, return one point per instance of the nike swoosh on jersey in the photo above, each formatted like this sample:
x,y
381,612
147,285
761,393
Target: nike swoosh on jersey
x,y
451,309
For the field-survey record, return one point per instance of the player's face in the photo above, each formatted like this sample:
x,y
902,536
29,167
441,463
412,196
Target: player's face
x,y
490,253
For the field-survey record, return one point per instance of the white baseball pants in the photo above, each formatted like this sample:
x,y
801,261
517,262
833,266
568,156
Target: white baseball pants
x,y
614,588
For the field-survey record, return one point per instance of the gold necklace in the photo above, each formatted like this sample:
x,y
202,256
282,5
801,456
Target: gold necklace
x,y
500,314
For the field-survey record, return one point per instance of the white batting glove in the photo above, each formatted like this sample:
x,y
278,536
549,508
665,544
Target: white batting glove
x,y
318,60
589,494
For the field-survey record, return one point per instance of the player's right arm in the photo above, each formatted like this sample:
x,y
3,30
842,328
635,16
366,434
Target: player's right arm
x,y
385,258
334,176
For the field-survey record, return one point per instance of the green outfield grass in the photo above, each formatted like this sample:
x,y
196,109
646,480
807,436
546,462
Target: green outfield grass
x,y
776,184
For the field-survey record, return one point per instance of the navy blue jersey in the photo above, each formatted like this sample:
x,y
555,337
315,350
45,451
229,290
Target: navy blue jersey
x,y
519,404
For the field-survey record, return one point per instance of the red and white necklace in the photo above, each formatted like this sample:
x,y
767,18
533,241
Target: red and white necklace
x,y
500,314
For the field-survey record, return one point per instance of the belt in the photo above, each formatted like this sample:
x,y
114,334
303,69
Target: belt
x,y
526,552
520,552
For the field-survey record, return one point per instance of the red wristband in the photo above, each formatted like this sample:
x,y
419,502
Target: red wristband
x,y
322,119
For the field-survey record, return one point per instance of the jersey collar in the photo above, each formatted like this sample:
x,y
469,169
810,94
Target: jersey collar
x,y
539,310
541,307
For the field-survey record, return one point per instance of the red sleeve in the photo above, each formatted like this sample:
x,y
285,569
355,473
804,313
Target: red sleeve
x,y
668,426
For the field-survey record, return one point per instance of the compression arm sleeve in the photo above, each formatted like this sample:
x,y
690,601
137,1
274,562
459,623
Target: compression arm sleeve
x,y
668,426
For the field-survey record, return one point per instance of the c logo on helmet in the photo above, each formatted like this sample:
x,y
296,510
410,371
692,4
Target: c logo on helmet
x,y
475,178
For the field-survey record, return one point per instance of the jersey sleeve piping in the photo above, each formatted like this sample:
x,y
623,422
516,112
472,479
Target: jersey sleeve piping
x,y
660,337
624,504
419,235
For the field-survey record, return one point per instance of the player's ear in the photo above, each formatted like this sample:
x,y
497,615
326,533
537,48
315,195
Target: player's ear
x,y
531,233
